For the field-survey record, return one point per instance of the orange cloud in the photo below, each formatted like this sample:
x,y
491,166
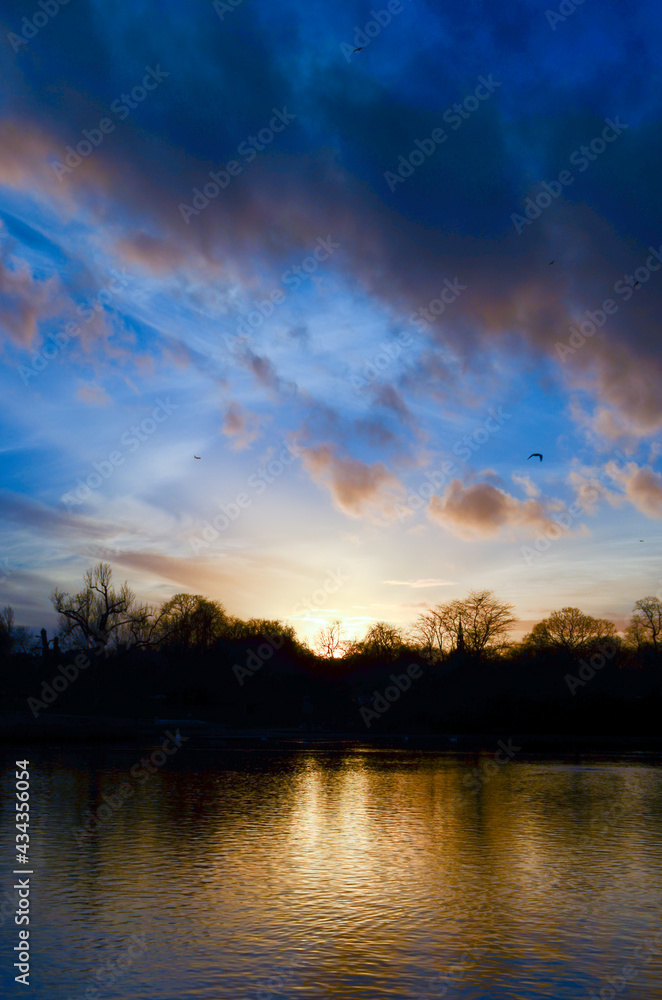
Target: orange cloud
x,y
25,301
480,510
149,252
642,487
240,426
93,394
356,488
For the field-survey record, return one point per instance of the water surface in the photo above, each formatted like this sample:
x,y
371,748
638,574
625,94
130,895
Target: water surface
x,y
353,874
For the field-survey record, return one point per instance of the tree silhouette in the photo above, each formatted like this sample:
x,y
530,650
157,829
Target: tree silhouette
x,y
99,613
569,631
429,633
191,621
480,622
646,623
329,640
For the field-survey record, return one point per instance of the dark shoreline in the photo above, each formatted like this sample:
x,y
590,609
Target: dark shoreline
x,y
17,727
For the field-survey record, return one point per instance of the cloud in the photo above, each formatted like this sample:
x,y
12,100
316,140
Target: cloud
x,y
93,394
25,300
151,253
421,583
242,427
642,486
589,488
26,512
480,510
527,485
356,488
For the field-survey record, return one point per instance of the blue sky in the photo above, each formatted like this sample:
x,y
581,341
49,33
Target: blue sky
x,y
276,326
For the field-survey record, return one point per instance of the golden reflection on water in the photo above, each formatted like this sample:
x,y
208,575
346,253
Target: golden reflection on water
x,y
357,874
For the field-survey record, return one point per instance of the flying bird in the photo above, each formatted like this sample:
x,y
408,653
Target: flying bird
x,y
553,261
197,456
535,454
360,48
641,539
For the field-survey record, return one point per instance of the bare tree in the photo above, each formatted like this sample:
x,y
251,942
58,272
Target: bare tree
x,y
570,631
99,614
486,621
7,619
646,623
478,623
429,632
329,639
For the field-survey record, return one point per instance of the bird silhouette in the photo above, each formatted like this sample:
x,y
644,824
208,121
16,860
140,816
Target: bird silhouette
x,y
553,261
535,454
641,539
360,48
197,456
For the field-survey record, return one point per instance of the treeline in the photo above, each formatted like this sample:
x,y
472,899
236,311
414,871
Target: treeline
x,y
455,670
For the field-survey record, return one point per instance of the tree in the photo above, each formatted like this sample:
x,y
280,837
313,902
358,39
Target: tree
x,y
6,625
570,631
646,623
429,632
480,622
259,628
383,640
192,621
15,638
328,640
99,614
486,621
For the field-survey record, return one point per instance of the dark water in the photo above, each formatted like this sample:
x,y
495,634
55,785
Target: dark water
x,y
355,874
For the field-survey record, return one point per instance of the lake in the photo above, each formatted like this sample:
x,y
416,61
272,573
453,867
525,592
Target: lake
x,y
345,872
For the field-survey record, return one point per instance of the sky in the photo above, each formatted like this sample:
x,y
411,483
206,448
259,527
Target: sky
x,y
327,273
